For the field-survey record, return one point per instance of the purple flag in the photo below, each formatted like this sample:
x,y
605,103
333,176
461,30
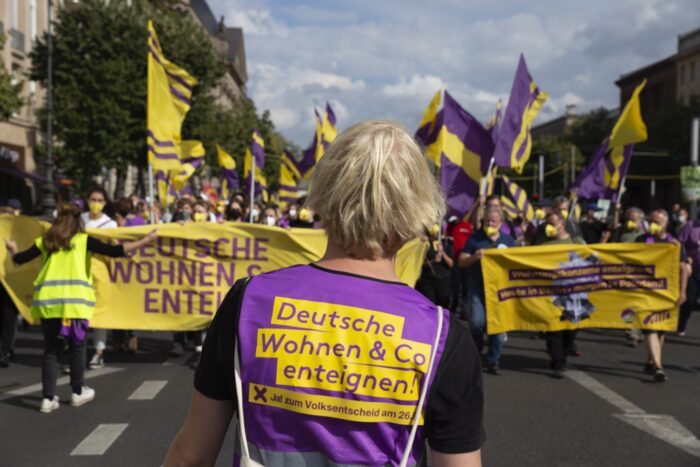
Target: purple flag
x,y
513,145
596,181
465,152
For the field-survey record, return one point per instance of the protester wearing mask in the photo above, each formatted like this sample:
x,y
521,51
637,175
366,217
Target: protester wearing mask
x,y
305,219
631,228
269,217
64,298
561,205
234,212
183,211
658,223
200,212
559,343
689,238
459,231
593,229
490,236
95,218
682,222
434,280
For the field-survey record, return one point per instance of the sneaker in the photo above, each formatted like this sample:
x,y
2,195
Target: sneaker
x,y
65,369
4,360
97,361
558,373
660,376
492,369
49,405
649,368
680,333
631,342
87,394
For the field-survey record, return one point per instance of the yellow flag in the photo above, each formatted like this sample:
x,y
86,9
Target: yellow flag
x,y
630,127
169,94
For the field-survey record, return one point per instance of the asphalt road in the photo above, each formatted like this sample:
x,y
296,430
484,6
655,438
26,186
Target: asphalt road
x,y
606,412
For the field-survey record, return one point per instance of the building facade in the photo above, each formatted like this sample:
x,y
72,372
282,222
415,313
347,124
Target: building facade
x,y
688,66
21,21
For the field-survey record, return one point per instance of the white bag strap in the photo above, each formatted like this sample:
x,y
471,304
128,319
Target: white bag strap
x,y
424,391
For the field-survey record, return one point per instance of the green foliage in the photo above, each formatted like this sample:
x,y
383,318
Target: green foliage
x,y
10,100
590,130
99,87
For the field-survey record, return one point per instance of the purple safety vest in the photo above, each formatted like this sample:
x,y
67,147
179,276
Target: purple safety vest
x,y
332,366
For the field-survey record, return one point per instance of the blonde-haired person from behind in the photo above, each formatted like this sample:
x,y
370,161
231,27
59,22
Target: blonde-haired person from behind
x,y
374,192
64,298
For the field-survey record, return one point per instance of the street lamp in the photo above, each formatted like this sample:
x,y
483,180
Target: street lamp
x,y
48,201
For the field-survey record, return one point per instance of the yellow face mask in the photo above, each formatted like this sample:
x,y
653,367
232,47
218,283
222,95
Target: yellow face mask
x,y
551,231
434,229
490,230
305,215
539,214
199,216
221,208
564,213
632,225
96,208
655,228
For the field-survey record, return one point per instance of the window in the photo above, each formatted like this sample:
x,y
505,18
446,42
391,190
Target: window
x,y
681,77
692,71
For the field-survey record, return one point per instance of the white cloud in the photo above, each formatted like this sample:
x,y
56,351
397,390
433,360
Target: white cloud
x,y
415,86
385,59
256,22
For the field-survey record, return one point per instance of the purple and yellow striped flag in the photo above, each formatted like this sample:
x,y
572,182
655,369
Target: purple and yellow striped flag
x,y
169,94
192,153
514,142
256,150
229,175
517,197
289,179
462,151
603,176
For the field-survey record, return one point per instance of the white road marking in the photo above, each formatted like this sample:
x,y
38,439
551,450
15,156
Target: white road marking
x,y
663,427
147,391
101,438
63,380
603,391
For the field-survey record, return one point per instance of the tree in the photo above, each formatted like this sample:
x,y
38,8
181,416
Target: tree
x,y
10,100
99,79
590,131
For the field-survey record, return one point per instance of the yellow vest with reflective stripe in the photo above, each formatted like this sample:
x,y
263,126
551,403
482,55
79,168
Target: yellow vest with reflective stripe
x,y
64,288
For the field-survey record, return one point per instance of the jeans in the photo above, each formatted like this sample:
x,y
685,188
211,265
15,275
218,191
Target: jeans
x,y
477,326
53,349
687,308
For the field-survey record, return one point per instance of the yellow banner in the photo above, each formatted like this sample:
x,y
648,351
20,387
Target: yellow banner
x,y
177,282
557,287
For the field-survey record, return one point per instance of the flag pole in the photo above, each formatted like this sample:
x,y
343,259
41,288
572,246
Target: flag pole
x,y
482,184
252,186
151,195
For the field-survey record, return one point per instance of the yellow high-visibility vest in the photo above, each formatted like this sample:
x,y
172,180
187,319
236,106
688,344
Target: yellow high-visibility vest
x,y
63,288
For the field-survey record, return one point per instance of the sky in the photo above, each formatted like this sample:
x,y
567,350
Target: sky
x,y
386,58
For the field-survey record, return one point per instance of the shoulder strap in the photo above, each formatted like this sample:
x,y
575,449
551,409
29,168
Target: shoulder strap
x,y
424,391
245,453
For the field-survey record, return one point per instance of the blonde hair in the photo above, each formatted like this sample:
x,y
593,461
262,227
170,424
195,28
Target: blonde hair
x,y
374,191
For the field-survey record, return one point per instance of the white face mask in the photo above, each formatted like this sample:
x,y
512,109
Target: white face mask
x,y
256,213
269,220
293,213
682,219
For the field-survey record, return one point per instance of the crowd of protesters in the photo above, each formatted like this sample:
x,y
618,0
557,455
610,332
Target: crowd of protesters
x,y
451,275
99,212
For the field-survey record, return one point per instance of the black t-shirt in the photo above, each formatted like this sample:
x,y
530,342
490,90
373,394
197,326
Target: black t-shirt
x,y
93,245
592,231
454,407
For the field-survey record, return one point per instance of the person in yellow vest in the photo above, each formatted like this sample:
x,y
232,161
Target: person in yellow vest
x,y
64,298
